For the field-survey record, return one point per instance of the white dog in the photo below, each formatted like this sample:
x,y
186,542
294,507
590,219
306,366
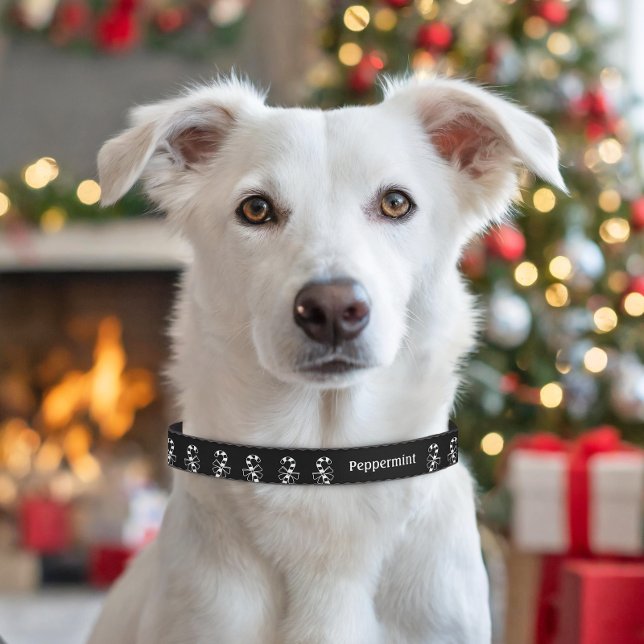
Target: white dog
x,y
365,210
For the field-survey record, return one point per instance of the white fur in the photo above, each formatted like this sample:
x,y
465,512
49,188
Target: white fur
x,y
381,563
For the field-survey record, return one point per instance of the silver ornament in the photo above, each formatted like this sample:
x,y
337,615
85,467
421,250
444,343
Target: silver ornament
x,y
586,258
509,319
627,388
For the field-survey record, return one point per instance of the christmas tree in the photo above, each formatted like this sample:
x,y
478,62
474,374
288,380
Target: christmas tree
x,y
564,285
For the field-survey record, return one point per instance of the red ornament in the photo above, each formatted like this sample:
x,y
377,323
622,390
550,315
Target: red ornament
x,y
553,11
594,109
637,213
636,285
593,105
117,30
506,243
596,131
509,382
363,76
434,36
398,4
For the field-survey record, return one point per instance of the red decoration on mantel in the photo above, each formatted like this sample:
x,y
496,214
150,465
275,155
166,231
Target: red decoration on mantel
x,y
72,16
434,36
117,30
506,242
169,20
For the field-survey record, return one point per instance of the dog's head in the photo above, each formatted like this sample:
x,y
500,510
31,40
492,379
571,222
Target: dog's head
x,y
313,230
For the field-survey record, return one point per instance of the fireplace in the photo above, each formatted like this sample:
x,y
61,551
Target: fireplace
x,y
80,358
83,402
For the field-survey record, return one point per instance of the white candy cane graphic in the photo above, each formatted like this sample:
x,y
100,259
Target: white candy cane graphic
x,y
172,457
433,459
452,457
192,462
253,469
287,473
324,475
219,467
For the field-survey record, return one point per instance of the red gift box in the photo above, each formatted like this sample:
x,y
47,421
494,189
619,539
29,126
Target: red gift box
x,y
601,603
44,525
107,562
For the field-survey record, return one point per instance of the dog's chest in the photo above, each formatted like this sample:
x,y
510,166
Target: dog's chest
x,y
332,521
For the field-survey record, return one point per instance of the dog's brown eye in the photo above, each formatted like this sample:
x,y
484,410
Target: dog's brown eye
x,y
256,210
395,204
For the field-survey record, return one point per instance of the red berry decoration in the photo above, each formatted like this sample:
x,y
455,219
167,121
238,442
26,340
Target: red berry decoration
x,y
72,16
434,36
506,243
637,214
169,20
117,30
553,11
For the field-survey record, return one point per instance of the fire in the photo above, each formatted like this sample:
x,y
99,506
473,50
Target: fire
x,y
109,393
107,396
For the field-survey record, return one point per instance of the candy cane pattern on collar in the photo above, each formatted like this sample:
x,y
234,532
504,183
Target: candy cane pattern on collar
x,y
328,466
433,459
253,469
452,457
287,473
219,467
324,475
192,462
172,457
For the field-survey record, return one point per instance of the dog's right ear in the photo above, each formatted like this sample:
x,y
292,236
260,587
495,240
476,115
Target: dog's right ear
x,y
175,136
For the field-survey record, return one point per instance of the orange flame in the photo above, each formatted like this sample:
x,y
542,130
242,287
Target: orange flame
x,y
109,393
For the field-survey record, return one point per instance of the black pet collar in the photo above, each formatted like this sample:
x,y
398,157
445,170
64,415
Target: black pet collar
x,y
299,466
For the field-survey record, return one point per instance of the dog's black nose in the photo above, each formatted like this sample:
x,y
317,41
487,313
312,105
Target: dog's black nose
x,y
333,311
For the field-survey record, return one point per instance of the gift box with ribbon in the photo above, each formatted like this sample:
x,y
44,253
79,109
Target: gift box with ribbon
x,y
576,497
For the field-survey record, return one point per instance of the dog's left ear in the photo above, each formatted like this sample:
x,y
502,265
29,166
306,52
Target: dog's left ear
x,y
483,138
169,141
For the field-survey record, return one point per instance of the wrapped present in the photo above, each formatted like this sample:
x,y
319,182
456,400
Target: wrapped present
x,y
601,602
44,525
107,562
577,497
556,599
